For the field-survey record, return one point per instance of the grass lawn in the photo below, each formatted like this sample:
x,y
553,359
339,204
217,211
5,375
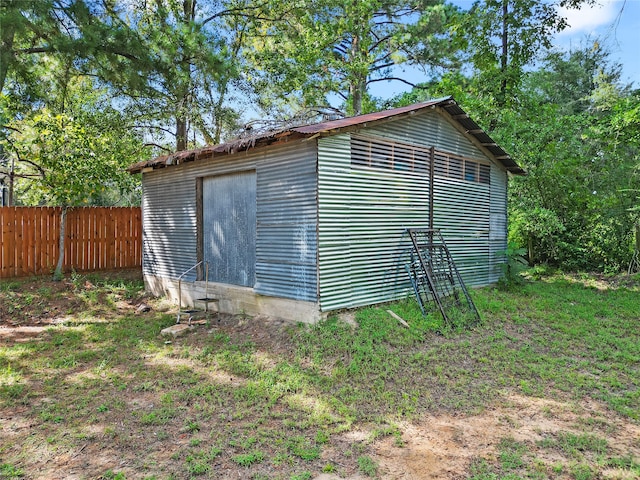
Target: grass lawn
x,y
548,386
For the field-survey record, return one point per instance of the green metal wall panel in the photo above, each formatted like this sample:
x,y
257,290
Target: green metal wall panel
x,y
471,216
364,214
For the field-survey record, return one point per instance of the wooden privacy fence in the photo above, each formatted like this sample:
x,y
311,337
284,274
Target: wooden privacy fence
x,y
96,238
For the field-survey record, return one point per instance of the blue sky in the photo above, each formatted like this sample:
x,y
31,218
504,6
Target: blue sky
x,y
614,23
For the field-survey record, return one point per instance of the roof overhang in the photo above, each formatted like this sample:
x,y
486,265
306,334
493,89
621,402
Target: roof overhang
x,y
447,105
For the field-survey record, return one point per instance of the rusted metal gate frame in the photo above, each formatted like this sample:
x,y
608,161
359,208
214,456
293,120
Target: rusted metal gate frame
x,y
428,277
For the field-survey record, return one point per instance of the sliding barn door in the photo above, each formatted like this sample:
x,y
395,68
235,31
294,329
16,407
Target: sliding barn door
x,y
229,227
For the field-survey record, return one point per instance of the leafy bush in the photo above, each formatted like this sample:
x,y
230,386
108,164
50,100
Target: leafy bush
x,y
515,263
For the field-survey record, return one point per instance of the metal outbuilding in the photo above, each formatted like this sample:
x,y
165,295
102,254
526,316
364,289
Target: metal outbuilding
x,y
310,219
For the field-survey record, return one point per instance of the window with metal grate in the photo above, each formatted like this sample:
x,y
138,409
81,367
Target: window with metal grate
x,y
383,154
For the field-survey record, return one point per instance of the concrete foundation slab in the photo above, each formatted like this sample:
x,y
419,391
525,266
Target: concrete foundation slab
x,y
235,300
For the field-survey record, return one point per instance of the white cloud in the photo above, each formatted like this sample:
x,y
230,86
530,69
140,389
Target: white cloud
x,y
587,19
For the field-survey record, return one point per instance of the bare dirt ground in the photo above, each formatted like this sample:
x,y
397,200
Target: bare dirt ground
x,y
441,445
44,302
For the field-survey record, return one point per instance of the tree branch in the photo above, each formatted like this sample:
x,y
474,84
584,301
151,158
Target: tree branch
x,y
154,127
40,169
10,128
109,49
34,50
236,11
18,175
377,68
20,159
376,44
151,144
397,79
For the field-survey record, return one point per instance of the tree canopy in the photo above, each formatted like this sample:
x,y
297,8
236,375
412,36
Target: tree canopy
x,y
321,48
87,87
573,126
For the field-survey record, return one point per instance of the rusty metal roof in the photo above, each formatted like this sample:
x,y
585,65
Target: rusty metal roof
x,y
447,104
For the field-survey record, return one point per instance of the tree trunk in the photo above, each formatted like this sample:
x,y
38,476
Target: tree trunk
x,y
504,57
7,34
501,97
217,134
181,134
356,89
57,275
357,92
4,188
189,11
356,98
12,180
6,50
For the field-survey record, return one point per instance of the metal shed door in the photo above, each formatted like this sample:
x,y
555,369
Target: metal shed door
x,y
229,227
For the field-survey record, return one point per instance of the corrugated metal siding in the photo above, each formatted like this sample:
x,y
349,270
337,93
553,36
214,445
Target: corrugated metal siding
x,y
364,213
334,245
428,128
229,230
498,223
287,216
286,245
461,212
464,211
169,222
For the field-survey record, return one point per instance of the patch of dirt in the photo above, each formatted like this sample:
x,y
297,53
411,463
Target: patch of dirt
x,y
602,282
28,306
10,333
444,446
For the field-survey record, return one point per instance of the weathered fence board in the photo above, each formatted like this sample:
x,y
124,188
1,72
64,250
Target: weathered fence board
x,y
96,238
